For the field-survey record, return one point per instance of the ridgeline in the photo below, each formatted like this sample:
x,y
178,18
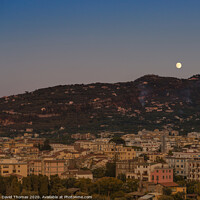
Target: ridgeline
x,y
149,102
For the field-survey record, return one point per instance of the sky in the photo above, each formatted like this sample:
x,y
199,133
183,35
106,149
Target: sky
x,y
44,43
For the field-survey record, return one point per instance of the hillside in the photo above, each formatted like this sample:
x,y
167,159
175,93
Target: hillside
x,y
149,102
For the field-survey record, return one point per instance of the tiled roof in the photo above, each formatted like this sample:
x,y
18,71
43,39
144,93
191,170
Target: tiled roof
x,y
170,184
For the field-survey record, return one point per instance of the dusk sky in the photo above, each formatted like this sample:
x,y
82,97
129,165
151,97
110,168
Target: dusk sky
x,y
45,43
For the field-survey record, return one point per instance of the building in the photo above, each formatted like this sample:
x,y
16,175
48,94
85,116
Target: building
x,y
145,171
180,165
76,173
46,167
180,162
13,167
194,170
163,144
161,174
175,188
155,156
120,152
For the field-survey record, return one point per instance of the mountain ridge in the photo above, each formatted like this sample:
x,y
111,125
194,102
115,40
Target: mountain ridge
x,y
150,101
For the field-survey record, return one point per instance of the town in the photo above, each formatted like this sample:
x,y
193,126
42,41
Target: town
x,y
157,165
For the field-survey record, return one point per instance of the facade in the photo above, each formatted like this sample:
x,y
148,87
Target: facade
x,y
162,174
180,165
180,162
153,157
13,167
120,152
175,188
145,171
75,173
46,167
194,170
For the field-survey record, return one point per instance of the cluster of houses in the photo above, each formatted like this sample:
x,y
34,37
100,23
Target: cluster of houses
x,y
152,157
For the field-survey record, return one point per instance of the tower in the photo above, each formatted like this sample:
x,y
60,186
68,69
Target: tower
x,y
163,144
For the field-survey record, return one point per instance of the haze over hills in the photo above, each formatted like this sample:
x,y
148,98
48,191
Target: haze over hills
x,y
148,102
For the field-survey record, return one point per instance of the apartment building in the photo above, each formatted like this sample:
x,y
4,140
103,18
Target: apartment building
x,y
161,174
46,167
145,171
13,167
180,165
194,170
120,152
180,162
155,156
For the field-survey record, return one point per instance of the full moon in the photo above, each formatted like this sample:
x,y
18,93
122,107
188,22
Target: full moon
x,y
178,65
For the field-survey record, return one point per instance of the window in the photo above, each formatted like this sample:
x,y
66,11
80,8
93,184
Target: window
x,y
157,178
152,177
163,177
169,177
169,170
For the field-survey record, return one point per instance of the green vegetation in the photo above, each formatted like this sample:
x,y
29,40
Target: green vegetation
x,y
177,196
117,140
42,185
45,147
108,171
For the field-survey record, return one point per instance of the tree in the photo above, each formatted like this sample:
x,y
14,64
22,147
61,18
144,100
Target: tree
x,y
118,194
108,185
44,185
63,191
110,169
197,188
191,187
146,157
2,186
131,185
15,187
28,193
34,182
160,160
178,178
122,177
84,184
170,153
46,146
26,183
99,172
167,191
55,185
69,183
179,196
99,197
117,140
